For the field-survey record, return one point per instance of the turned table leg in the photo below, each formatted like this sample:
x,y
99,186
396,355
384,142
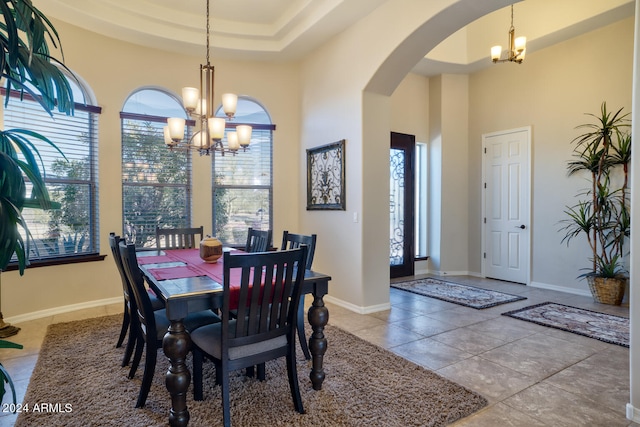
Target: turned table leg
x,y
318,317
176,344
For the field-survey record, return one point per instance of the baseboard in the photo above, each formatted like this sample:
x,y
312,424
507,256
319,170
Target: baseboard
x,y
356,308
582,292
451,273
633,414
63,309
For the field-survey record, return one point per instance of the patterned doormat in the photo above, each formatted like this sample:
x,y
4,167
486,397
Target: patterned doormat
x,y
469,296
592,324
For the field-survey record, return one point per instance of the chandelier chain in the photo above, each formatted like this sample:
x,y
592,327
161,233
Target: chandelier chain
x,y
208,29
512,27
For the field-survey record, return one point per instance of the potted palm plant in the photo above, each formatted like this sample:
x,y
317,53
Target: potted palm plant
x,y
26,66
602,214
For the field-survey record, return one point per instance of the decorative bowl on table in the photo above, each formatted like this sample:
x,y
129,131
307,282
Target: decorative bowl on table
x,y
210,249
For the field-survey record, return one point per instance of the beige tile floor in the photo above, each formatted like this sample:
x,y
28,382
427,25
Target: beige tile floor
x,y
530,374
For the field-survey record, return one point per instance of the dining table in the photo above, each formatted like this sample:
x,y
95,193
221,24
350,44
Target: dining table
x,y
187,284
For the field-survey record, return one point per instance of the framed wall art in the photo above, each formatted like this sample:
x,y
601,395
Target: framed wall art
x,y
325,177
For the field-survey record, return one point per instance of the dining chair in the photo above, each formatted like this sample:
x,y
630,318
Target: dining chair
x,y
258,240
152,324
178,238
291,241
128,321
265,327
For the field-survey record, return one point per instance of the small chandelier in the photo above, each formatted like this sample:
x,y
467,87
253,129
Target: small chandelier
x,y
199,104
517,47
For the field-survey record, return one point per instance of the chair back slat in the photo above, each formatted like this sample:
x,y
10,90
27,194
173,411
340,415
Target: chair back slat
x,y
258,240
269,289
114,241
293,241
178,238
144,308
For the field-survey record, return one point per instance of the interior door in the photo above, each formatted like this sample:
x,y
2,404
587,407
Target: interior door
x,y
506,231
401,203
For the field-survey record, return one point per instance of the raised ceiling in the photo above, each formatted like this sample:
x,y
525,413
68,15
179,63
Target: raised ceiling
x,y
285,30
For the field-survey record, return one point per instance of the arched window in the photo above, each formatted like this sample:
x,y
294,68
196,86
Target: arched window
x,y
156,182
243,183
70,229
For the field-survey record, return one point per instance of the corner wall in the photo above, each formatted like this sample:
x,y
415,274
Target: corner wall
x,y
550,91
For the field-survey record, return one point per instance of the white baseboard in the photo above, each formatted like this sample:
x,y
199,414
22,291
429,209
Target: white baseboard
x,y
633,414
63,309
451,273
582,292
355,308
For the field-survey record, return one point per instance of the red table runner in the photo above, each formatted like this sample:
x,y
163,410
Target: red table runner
x,y
155,259
196,267
174,272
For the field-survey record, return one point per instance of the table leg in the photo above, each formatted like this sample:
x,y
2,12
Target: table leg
x,y
318,317
176,344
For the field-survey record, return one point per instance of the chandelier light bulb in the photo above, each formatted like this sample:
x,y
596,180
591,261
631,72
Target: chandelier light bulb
x,y
232,141
496,52
176,128
229,104
244,135
190,96
216,128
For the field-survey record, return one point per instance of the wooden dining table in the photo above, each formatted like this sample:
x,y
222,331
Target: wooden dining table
x,y
187,284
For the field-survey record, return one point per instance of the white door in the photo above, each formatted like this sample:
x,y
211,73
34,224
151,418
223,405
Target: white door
x,y
506,231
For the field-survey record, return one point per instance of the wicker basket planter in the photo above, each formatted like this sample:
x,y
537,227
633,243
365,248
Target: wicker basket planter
x,y
607,290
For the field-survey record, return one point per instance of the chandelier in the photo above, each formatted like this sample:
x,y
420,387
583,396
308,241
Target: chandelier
x,y
517,47
199,104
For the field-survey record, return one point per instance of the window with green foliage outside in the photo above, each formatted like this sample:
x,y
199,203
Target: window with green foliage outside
x,y
70,229
243,183
156,181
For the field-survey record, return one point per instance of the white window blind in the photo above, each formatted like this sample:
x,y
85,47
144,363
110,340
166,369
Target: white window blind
x,y
156,181
72,180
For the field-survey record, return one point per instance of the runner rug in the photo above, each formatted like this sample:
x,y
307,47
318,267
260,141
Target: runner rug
x,y
469,296
79,378
592,324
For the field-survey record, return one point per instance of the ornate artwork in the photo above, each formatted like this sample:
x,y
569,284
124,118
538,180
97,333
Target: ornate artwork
x,y
325,177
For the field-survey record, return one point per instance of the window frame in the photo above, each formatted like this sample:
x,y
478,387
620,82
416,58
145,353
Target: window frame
x,y
93,112
217,157
148,118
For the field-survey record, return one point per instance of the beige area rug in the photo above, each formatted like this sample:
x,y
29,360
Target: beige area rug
x,y
79,379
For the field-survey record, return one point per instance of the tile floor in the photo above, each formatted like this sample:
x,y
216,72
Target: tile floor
x,y
531,375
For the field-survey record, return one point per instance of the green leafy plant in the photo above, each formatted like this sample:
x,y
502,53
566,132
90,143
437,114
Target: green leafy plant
x,y
28,68
602,215
4,375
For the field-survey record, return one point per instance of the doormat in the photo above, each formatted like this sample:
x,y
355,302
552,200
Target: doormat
x,y
601,326
469,296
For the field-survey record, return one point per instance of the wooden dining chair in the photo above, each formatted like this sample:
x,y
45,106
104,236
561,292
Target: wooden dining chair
x,y
258,240
178,238
291,241
129,322
265,327
152,324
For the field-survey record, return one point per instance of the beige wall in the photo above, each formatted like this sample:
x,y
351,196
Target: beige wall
x,y
114,69
550,92
324,100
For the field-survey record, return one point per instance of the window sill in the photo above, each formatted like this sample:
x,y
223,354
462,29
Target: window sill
x,y
58,261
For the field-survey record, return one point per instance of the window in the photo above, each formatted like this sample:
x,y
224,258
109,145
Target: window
x,y
243,184
156,181
71,228
421,200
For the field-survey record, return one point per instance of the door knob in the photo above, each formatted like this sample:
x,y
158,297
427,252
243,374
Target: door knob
x,y
521,226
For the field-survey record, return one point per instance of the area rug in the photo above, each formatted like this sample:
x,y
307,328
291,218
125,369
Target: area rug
x,y
78,376
592,324
469,296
